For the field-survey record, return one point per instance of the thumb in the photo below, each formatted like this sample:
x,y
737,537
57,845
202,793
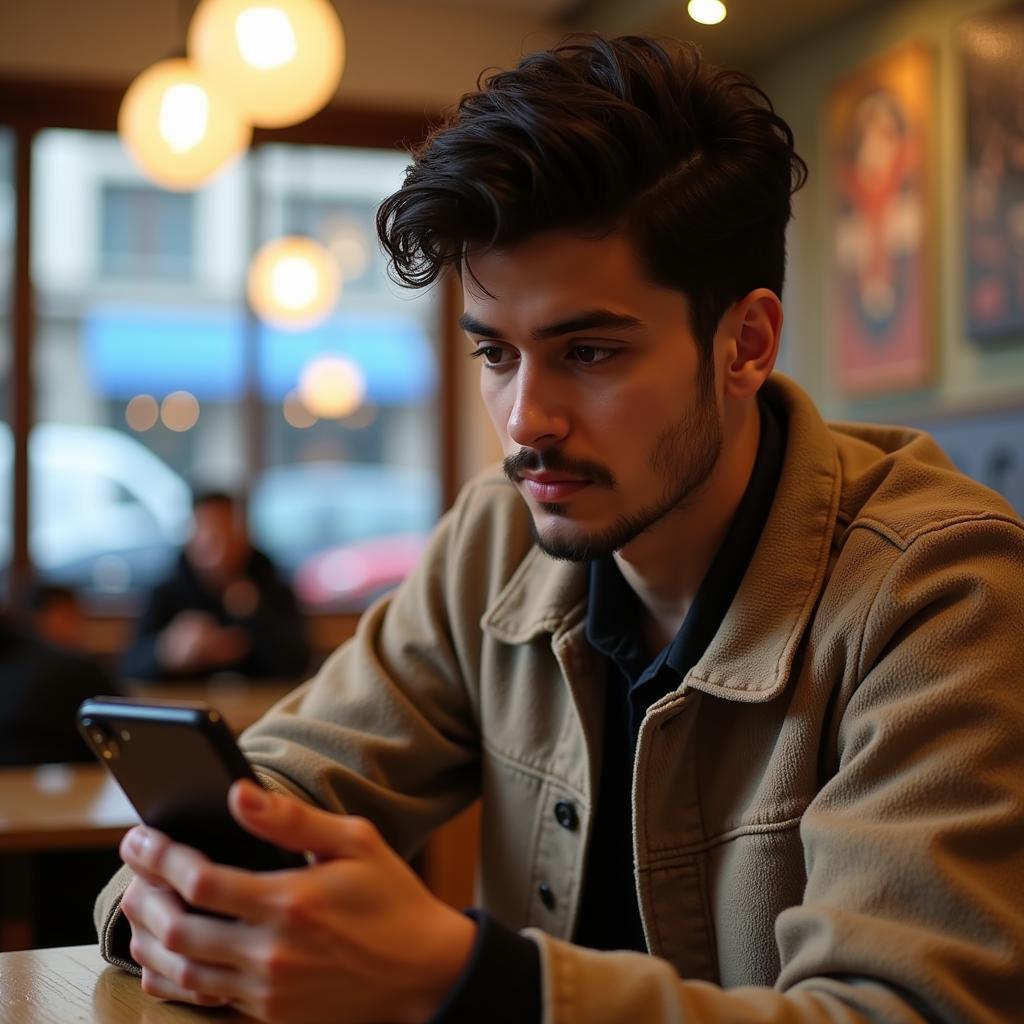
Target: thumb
x,y
292,824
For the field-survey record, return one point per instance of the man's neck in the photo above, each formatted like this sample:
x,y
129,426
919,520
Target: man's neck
x,y
666,565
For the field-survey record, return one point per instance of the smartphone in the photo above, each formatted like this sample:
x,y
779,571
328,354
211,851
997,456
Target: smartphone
x,y
176,761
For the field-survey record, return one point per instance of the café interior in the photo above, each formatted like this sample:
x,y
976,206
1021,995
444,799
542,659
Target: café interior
x,y
227,323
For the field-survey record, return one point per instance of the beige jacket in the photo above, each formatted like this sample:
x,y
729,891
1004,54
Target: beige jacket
x,y
828,814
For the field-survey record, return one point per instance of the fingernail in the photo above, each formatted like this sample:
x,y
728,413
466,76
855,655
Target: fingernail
x,y
252,798
139,840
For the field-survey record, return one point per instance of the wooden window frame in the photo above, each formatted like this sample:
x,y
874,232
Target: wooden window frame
x,y
29,106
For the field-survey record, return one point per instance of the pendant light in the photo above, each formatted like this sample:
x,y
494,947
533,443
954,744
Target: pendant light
x,y
179,126
280,59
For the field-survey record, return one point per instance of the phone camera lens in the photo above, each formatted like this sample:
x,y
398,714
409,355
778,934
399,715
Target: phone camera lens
x,y
97,735
125,735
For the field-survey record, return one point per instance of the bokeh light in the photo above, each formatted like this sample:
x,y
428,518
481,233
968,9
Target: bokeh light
x,y
331,386
293,283
281,60
179,411
179,127
295,413
142,413
706,12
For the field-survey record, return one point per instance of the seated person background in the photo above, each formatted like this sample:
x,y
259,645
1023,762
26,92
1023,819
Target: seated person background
x,y
57,616
41,685
43,679
224,609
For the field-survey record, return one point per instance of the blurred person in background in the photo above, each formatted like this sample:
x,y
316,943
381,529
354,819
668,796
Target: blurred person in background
x,y
44,675
224,608
58,616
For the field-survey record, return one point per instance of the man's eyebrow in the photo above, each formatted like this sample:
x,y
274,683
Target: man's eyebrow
x,y
589,320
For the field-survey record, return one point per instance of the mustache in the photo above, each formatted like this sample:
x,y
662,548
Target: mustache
x,y
555,460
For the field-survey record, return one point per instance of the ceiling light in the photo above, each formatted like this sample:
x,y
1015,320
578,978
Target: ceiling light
x,y
706,12
280,59
178,126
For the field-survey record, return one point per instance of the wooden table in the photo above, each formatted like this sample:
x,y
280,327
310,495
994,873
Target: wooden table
x,y
59,807
74,986
54,807
79,807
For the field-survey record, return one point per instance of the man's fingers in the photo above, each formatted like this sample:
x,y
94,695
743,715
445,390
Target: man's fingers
x,y
171,975
200,883
129,842
159,987
161,914
294,825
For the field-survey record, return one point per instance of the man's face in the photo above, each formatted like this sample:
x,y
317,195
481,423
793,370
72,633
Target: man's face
x,y
593,380
218,547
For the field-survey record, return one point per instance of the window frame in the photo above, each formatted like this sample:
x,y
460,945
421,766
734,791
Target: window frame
x,y
29,106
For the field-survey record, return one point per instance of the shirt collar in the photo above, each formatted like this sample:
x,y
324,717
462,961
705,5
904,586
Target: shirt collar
x,y
613,618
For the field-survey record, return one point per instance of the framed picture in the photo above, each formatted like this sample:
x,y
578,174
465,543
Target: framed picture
x,y
992,51
877,161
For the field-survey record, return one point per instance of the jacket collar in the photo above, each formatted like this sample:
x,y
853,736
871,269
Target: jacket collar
x,y
773,607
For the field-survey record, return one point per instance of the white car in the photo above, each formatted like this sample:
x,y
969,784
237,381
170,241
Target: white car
x,y
107,515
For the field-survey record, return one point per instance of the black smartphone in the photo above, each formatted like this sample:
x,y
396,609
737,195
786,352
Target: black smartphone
x,y
176,761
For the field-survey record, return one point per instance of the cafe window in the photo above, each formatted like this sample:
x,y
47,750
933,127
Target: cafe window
x,y
151,377
145,232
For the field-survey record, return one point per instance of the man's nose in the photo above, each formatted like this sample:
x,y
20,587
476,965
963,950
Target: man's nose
x,y
538,417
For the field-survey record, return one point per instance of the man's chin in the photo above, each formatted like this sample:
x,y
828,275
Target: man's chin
x,y
565,543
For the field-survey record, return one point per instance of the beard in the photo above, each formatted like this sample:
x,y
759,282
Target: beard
x,y
684,455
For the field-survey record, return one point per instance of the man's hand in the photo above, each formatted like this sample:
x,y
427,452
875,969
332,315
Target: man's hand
x,y
194,642
354,938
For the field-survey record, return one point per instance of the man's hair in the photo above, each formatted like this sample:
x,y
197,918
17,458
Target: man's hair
x,y
689,160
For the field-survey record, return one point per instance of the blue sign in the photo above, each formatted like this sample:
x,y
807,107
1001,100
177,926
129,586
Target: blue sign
x,y
132,350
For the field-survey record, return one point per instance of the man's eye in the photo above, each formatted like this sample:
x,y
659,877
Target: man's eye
x,y
491,354
591,353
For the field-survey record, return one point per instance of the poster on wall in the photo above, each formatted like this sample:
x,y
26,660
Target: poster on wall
x,y
992,52
876,124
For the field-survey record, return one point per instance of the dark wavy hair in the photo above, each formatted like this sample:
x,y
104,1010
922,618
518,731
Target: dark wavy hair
x,y
689,160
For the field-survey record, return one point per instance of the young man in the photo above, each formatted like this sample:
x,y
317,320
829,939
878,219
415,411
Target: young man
x,y
740,690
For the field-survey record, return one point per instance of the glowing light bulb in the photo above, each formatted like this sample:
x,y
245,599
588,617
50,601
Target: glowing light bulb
x,y
293,283
184,116
706,12
331,386
179,127
265,37
280,59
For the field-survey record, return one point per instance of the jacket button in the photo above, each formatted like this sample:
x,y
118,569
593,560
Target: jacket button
x,y
566,816
547,897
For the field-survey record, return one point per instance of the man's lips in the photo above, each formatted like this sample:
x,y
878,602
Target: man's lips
x,y
551,487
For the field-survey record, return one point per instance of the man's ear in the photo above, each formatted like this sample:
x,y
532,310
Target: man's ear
x,y
752,329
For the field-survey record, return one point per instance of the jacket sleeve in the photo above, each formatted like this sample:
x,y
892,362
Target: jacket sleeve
x,y
913,909
388,729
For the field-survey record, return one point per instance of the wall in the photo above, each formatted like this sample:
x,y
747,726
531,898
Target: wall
x,y
968,377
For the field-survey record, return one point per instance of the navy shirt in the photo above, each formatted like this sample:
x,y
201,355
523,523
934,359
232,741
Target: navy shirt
x,y
502,981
